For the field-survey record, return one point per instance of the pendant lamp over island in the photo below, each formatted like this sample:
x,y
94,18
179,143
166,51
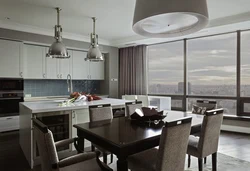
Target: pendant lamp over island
x,y
169,18
58,49
94,54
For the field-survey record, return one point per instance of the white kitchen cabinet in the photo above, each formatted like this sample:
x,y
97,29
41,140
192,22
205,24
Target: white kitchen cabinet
x,y
10,59
86,70
80,116
34,62
80,66
65,66
52,67
96,70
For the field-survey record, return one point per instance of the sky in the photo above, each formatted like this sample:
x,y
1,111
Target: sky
x,y
211,61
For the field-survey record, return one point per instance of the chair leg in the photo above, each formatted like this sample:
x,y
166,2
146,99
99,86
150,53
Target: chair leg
x,y
92,147
200,163
205,160
111,158
214,162
105,156
189,161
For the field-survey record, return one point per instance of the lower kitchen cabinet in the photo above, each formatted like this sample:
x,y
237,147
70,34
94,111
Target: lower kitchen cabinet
x,y
80,116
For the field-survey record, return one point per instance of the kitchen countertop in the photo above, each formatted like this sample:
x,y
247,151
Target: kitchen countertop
x,y
49,98
53,105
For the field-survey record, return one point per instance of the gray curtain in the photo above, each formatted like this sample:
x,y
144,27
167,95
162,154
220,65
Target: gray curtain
x,y
132,70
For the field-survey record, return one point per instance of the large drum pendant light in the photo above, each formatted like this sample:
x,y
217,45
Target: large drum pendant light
x,y
94,54
169,18
58,49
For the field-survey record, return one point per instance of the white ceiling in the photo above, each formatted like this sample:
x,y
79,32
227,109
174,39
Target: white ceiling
x,y
114,24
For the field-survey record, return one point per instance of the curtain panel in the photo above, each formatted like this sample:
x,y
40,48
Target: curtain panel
x,y
132,70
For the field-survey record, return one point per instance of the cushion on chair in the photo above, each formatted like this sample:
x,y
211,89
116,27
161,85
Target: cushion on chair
x,y
193,145
76,159
145,160
88,165
199,110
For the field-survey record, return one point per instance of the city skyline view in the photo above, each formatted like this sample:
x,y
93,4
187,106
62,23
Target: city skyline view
x,y
211,69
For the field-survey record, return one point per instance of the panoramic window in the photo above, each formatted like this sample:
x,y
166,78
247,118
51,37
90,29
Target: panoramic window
x,y
212,65
165,68
245,64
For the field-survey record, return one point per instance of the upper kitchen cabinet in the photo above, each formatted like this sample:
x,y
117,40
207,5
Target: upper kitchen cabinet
x,y
52,67
11,59
65,66
96,70
34,62
83,70
80,66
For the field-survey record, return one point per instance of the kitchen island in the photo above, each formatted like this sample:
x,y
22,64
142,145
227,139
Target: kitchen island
x,y
60,120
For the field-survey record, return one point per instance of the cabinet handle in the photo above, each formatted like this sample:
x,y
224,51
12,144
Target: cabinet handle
x,y
44,76
61,76
58,76
21,74
74,115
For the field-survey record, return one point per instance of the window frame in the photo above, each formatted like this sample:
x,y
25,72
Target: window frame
x,y
239,100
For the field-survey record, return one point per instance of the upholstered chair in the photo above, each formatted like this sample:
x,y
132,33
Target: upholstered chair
x,y
99,113
49,157
172,150
131,106
200,108
207,143
144,99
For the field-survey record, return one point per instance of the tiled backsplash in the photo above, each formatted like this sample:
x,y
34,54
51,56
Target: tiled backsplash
x,y
39,88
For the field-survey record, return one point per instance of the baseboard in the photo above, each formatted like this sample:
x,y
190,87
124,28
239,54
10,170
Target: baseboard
x,y
238,129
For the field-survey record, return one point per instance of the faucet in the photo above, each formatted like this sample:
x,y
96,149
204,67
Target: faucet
x,y
69,82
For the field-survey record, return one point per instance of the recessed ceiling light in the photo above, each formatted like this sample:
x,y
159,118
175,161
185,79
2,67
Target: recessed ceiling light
x,y
7,18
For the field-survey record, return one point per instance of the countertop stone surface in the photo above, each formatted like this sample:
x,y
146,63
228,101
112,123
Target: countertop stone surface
x,y
53,105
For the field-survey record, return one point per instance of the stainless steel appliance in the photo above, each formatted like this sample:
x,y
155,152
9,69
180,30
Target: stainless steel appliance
x,y
11,94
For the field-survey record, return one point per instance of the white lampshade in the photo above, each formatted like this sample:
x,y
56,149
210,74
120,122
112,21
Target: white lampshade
x,y
169,18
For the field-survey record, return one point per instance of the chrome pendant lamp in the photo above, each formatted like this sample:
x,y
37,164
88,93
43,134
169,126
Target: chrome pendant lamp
x,y
169,18
58,49
94,54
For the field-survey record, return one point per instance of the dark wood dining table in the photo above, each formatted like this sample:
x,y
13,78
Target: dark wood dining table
x,y
124,137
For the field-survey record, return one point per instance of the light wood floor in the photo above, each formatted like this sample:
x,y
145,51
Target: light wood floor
x,y
12,159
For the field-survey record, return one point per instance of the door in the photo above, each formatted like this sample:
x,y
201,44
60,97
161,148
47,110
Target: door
x,y
34,61
96,70
65,66
10,52
52,67
80,66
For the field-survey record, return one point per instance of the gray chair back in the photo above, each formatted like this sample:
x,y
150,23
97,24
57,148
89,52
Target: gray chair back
x,y
46,146
210,105
131,106
100,112
173,145
210,132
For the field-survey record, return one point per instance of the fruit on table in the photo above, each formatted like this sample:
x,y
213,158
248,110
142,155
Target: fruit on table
x,y
75,95
90,98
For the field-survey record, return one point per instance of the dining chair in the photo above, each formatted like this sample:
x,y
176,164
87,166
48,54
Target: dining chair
x,y
207,143
144,99
200,108
129,97
99,113
172,150
131,106
47,149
